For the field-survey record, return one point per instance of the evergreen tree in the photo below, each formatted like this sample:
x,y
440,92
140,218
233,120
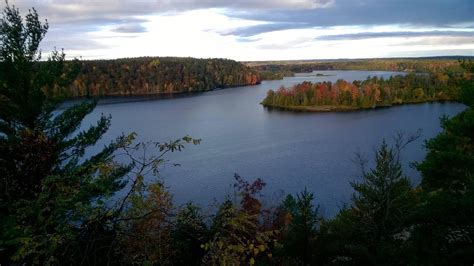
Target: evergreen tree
x,y
373,230
56,204
444,233
299,235
382,204
48,189
188,235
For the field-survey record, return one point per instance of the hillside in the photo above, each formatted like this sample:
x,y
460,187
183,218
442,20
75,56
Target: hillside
x,y
279,69
152,75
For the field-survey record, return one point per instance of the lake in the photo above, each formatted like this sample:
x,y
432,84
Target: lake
x,y
289,151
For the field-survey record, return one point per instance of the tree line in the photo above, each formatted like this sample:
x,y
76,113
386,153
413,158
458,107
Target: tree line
x,y
279,69
372,92
153,75
60,207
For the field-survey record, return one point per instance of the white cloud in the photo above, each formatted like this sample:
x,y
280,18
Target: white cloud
x,y
209,28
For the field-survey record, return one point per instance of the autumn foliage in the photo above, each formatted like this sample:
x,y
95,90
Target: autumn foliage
x,y
370,93
164,75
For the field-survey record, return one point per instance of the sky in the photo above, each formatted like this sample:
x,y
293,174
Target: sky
x,y
258,30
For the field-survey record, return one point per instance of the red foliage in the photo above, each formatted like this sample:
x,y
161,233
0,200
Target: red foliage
x,y
248,191
302,87
367,90
354,92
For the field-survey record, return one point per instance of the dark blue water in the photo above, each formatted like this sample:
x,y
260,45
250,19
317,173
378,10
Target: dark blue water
x,y
290,151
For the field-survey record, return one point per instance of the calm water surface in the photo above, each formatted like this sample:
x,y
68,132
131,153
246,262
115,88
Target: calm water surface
x,y
290,151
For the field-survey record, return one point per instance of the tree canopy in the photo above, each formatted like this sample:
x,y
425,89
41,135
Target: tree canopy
x,y
370,93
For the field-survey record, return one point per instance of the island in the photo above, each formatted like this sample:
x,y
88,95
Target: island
x,y
373,92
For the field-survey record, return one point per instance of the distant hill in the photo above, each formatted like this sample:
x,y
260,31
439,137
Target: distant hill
x,y
279,69
303,61
153,75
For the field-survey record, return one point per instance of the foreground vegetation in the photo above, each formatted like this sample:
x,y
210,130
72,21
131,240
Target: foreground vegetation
x,y
59,207
370,93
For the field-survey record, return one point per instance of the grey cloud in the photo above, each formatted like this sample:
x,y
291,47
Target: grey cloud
x,y
73,10
75,18
70,43
64,12
435,13
70,38
92,22
371,35
282,14
130,28
71,21
255,30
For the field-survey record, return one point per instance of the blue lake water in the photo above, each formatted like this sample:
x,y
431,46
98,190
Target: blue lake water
x,y
288,150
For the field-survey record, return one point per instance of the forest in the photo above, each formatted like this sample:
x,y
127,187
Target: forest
x,y
59,207
157,75
278,69
370,93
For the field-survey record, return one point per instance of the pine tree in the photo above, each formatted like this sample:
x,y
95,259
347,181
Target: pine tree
x,y
49,190
382,204
444,233
188,235
372,230
56,204
299,235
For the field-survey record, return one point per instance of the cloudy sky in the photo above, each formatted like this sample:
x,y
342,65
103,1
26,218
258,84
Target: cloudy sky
x,y
257,30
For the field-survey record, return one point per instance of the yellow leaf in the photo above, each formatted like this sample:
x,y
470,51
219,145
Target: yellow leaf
x,y
255,251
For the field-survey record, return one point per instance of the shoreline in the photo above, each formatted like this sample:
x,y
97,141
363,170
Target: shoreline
x,y
164,95
345,109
